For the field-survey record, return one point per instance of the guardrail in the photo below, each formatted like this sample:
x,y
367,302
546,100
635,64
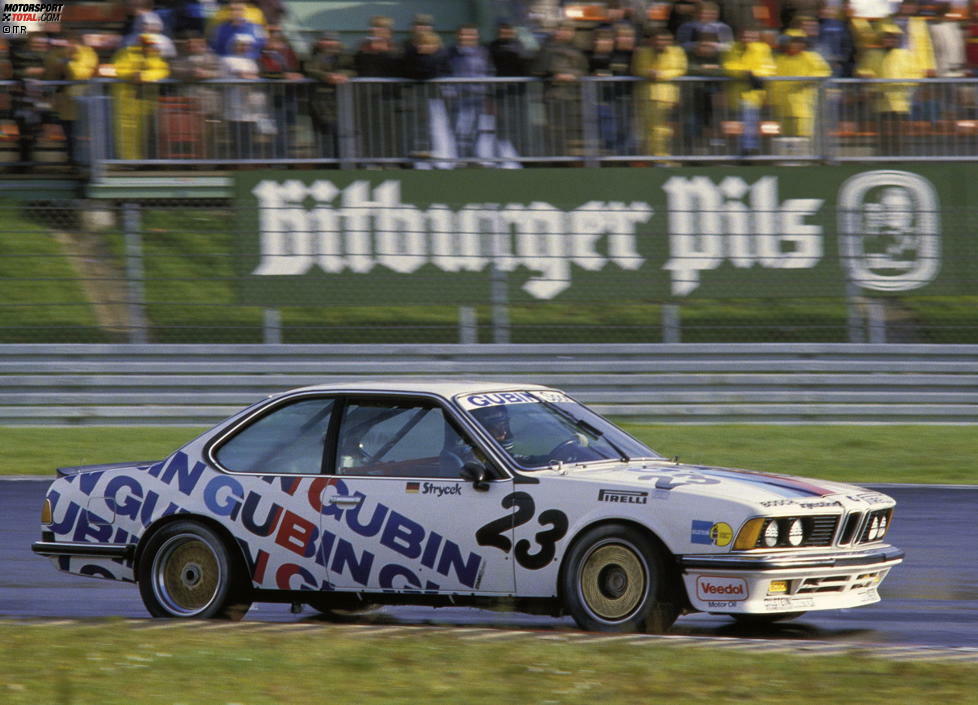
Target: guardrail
x,y
685,383
490,122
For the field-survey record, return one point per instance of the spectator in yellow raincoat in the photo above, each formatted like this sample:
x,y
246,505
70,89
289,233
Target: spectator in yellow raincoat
x,y
891,101
794,101
747,62
659,62
75,61
134,98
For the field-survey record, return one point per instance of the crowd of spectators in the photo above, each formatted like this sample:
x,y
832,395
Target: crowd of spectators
x,y
195,42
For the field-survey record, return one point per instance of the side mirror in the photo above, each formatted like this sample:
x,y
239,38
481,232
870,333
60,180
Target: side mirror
x,y
476,473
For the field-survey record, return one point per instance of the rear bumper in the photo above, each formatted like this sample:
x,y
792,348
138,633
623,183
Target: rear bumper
x,y
55,549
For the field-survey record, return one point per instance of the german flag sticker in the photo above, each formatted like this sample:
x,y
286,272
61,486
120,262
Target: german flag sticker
x,y
413,487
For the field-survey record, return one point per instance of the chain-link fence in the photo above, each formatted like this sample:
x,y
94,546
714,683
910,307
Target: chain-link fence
x,y
570,271
492,122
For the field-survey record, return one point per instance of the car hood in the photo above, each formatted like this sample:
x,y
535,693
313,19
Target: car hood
x,y
748,486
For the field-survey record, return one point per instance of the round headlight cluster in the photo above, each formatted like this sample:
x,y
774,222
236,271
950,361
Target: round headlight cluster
x,y
796,534
877,528
782,532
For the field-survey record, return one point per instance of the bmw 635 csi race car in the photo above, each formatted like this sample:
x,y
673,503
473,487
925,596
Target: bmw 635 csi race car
x,y
344,497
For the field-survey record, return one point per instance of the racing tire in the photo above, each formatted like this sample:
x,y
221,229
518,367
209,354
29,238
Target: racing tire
x,y
186,571
614,579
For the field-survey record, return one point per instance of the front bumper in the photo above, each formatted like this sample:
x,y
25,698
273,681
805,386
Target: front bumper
x,y
787,582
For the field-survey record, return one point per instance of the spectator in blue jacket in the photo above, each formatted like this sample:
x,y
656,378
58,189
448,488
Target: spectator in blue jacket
x,y
706,26
468,59
227,33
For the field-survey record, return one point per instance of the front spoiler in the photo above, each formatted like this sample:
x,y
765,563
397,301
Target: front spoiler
x,y
797,560
54,549
787,581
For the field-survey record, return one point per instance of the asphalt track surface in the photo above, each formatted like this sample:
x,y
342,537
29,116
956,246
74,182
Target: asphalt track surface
x,y
931,600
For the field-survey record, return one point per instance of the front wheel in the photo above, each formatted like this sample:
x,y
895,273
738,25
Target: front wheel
x,y
187,571
615,580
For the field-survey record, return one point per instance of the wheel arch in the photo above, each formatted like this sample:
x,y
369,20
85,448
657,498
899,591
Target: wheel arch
x,y
234,548
674,586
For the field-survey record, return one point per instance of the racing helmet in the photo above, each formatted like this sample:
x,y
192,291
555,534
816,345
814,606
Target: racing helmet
x,y
495,419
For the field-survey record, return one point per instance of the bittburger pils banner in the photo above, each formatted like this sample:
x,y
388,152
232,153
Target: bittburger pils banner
x,y
402,237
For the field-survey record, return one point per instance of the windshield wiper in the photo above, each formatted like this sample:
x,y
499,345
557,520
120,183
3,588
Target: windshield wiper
x,y
583,426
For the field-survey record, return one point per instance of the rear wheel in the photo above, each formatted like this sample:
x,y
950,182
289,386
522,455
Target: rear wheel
x,y
614,580
187,571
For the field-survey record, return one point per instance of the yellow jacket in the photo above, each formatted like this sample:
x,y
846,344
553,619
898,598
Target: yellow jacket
x,y
80,65
743,59
797,98
895,63
134,63
864,34
667,64
919,45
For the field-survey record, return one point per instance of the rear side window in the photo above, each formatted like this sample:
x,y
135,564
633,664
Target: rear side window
x,y
290,439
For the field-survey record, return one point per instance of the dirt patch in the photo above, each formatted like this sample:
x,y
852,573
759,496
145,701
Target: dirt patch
x,y
101,277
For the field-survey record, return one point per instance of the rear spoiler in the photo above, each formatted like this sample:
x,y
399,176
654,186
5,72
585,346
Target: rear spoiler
x,y
74,470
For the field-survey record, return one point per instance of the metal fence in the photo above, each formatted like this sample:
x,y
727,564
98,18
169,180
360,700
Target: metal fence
x,y
201,384
493,122
169,272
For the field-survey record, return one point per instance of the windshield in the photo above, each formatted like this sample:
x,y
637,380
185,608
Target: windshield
x,y
540,428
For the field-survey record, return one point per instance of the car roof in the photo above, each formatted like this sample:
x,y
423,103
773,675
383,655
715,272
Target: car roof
x,y
441,387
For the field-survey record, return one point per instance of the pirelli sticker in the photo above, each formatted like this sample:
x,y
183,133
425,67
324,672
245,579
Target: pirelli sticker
x,y
623,496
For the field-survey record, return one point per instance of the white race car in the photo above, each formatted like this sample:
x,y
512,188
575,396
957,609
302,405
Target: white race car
x,y
452,493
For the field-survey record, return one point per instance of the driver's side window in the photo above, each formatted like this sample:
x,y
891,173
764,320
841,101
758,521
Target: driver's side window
x,y
399,439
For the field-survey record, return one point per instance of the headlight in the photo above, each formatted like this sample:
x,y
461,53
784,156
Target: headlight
x,y
874,529
749,534
796,533
876,525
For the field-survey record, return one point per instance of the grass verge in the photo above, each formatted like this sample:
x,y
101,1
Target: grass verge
x,y
41,294
113,663
922,454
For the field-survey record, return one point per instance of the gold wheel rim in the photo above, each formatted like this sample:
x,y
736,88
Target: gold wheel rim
x,y
613,581
187,575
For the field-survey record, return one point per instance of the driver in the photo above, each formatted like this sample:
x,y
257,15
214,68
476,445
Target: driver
x,y
495,419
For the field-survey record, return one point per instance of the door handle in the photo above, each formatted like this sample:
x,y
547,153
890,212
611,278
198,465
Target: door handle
x,y
345,500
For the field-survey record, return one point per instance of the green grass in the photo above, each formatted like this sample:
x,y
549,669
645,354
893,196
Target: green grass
x,y
110,663
190,290
867,454
945,319
41,298
38,451
919,454
193,299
